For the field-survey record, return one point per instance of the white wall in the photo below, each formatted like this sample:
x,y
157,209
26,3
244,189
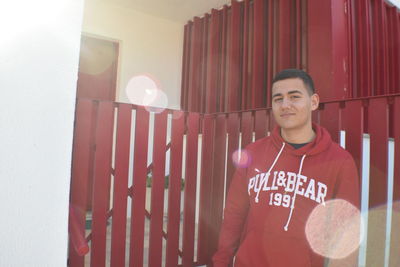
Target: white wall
x,y
39,52
148,44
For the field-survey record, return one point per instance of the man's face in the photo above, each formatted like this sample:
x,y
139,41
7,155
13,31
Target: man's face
x,y
292,104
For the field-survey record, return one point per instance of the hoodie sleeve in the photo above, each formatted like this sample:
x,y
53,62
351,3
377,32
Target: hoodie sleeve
x,y
348,186
235,214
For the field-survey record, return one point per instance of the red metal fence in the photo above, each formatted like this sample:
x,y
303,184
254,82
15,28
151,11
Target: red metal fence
x,y
379,117
204,143
351,48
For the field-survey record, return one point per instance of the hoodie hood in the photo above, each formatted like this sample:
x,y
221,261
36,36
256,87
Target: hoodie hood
x,y
321,142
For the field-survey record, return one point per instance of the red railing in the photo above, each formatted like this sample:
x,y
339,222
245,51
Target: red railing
x,y
200,146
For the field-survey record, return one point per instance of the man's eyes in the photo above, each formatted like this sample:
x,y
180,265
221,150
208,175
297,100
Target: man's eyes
x,y
292,97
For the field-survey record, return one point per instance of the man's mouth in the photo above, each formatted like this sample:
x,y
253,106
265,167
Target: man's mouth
x,y
285,115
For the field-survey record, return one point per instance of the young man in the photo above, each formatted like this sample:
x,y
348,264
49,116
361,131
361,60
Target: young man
x,y
293,171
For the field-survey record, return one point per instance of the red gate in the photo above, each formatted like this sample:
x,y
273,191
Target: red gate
x,y
199,148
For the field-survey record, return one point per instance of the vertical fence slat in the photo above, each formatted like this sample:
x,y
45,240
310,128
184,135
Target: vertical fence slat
x,y
351,48
234,58
245,56
217,193
392,56
320,46
394,258
190,189
352,123
250,70
101,183
298,33
204,49
395,47
338,33
261,123
329,118
174,191
205,188
185,64
258,81
92,152
247,128
364,48
213,62
80,171
380,47
195,67
233,145
139,188
270,51
157,189
378,129
121,185
285,38
221,106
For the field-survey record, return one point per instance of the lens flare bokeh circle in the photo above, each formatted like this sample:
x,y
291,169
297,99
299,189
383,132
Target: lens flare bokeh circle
x,y
144,90
334,228
241,158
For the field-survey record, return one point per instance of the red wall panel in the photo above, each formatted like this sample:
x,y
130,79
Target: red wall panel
x,y
351,48
234,60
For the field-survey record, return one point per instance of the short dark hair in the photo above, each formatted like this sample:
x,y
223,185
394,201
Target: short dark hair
x,y
296,73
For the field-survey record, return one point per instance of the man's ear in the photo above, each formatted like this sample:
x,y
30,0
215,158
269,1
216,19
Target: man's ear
x,y
314,102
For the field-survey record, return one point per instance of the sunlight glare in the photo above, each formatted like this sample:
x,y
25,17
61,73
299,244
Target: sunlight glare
x,y
333,229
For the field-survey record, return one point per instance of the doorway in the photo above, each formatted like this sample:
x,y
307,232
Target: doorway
x,y
98,65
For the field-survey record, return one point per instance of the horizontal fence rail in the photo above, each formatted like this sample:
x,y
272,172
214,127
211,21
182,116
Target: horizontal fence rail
x,y
148,189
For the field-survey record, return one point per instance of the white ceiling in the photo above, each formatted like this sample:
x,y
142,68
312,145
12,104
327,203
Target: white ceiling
x,y
180,11
177,10
394,2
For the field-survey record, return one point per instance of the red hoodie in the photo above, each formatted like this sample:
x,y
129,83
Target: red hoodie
x,y
270,200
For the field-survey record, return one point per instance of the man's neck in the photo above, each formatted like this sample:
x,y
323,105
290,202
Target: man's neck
x,y
298,136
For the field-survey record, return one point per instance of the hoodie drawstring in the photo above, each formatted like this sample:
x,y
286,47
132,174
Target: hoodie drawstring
x,y
294,195
268,173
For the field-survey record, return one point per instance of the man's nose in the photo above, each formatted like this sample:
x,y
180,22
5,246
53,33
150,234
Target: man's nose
x,y
286,102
